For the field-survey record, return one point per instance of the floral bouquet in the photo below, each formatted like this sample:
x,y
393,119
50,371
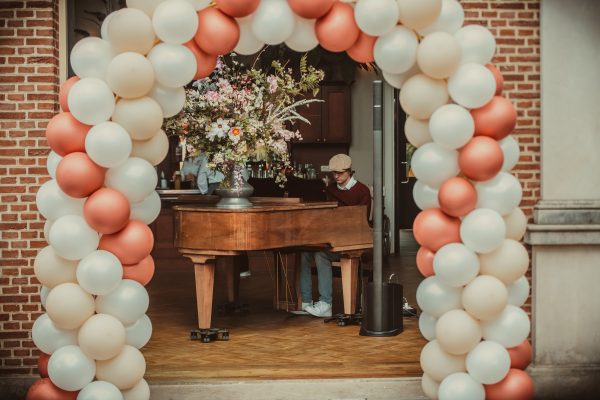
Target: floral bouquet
x,y
242,114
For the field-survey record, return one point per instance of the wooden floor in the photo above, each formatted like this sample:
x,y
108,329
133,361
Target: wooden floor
x,y
270,344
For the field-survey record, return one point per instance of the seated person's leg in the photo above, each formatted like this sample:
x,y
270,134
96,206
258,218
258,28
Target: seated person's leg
x,y
306,277
324,273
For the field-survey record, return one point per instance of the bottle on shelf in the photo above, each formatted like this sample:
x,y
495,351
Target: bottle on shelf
x,y
163,181
177,180
259,173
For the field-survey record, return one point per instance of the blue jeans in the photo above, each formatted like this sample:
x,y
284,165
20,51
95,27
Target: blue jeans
x,y
323,261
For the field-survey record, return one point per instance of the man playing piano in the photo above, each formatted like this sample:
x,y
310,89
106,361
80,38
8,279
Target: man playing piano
x,y
347,191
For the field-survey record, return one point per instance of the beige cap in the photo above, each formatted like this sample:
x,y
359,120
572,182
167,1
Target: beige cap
x,y
340,163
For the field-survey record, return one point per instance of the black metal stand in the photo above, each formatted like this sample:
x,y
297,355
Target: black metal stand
x,y
209,335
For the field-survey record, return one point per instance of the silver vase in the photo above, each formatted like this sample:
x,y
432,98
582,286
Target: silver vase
x,y
235,196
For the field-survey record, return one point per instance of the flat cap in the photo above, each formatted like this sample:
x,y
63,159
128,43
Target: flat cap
x,y
340,163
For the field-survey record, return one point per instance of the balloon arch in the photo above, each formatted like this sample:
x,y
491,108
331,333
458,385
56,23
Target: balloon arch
x,y
107,139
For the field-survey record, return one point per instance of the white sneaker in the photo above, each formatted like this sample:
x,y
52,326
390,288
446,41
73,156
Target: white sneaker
x,y
303,311
320,309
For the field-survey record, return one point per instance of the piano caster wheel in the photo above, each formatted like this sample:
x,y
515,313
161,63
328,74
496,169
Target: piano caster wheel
x,y
209,335
341,323
206,339
345,319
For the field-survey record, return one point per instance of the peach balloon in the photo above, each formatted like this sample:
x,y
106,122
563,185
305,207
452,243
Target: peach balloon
x,y
131,244
63,94
457,197
43,364
498,77
480,159
433,229
65,134
44,389
496,119
425,261
517,385
205,63
521,355
141,272
362,50
106,211
217,33
78,176
337,30
238,8
311,9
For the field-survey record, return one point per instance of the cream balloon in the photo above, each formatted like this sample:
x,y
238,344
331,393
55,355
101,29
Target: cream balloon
x,y
436,298
52,270
451,126
130,75
438,363
518,291
516,224
304,37
125,370
421,96
510,149
438,55
397,80
128,292
199,4
104,26
485,297
153,150
460,386
53,203
455,264
175,21
100,272
396,51
69,306
429,386
509,329
273,22
48,337
91,101
472,85
147,6
457,332
108,144
248,43
425,196
47,226
44,291
51,163
174,64
427,326
102,337
136,178
139,333
141,118
502,193
450,20
376,17
72,238
171,100
131,29
418,14
417,131
148,209
477,44
433,164
482,230
100,390
90,57
141,391
70,369
508,262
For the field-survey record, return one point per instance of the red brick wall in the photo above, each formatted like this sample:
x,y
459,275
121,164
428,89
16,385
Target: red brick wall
x,y
28,99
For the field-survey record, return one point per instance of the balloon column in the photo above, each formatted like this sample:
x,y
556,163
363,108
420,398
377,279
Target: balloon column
x,y
108,137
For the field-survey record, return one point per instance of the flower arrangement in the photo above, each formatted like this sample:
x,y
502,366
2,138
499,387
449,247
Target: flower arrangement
x,y
241,114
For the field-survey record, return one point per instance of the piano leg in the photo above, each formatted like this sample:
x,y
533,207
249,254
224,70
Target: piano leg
x,y
349,267
205,278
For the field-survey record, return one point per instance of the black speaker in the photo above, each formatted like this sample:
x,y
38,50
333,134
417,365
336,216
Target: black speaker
x,y
392,323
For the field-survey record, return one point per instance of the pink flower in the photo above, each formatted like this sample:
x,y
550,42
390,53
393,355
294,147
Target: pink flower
x,y
211,95
272,81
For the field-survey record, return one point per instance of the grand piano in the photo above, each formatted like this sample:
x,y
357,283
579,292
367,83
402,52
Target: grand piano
x,y
205,234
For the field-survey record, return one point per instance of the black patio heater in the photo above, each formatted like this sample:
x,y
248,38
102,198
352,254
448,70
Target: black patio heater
x,y
382,315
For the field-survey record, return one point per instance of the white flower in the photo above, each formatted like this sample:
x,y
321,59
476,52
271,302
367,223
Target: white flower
x,y
218,129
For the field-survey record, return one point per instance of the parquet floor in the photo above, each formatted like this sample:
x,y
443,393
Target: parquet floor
x,y
270,344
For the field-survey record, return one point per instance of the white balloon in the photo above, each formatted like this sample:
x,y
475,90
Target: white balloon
x,y
427,326
174,64
438,364
417,131
175,21
460,386
472,85
108,144
146,210
199,4
72,238
429,386
396,51
433,164
273,22
100,272
70,369
100,390
44,291
131,30
147,6
141,117
502,193
141,391
53,203
171,100
248,43
451,126
510,149
47,226
304,37
376,17
139,333
455,264
488,363
477,44
51,163
425,196
482,230
91,101
450,19
90,57
436,298
135,178
397,80
516,224
128,292
104,26
510,329
48,337
518,291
